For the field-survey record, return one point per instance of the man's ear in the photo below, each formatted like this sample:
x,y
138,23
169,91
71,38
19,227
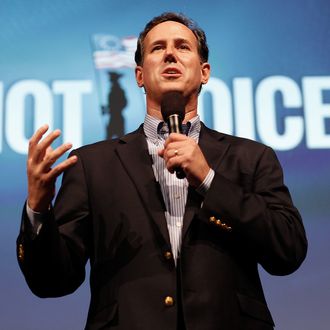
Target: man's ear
x,y
206,71
139,75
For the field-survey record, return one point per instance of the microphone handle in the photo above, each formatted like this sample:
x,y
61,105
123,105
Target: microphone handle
x,y
179,172
174,123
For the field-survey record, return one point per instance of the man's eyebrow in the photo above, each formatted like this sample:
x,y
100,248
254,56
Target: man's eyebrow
x,y
176,41
157,42
182,40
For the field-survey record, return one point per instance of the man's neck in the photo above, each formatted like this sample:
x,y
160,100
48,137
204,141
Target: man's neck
x,y
153,109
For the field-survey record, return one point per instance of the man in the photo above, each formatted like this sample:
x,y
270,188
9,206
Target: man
x,y
165,253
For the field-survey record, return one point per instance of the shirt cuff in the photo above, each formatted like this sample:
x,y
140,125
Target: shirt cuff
x,y
206,184
36,219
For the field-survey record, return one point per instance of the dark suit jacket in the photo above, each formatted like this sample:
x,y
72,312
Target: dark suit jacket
x,y
110,210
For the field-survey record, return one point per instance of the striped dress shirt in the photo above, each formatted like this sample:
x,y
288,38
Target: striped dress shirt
x,y
174,190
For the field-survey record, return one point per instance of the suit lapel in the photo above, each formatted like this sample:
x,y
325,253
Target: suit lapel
x,y
214,147
134,155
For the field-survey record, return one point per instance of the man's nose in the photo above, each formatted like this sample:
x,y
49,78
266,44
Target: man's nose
x,y
170,55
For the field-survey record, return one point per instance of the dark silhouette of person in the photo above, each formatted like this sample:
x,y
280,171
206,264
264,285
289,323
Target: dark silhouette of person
x,y
116,103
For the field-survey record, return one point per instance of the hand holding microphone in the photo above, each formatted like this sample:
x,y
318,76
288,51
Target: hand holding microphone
x,y
181,153
173,111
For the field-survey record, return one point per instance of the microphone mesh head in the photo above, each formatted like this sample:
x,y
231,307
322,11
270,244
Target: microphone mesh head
x,y
173,103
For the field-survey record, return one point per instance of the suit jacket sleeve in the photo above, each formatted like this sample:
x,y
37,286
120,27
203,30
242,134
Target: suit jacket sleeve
x,y
256,206
53,262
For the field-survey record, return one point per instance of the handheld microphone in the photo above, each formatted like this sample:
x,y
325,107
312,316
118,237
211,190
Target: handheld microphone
x,y
173,111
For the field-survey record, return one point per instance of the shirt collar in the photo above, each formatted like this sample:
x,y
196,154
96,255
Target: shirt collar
x,y
155,128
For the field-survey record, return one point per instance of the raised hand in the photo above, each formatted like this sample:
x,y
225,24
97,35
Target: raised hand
x,y
40,173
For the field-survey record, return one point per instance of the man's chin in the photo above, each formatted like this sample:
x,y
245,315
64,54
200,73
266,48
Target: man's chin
x,y
188,93
173,88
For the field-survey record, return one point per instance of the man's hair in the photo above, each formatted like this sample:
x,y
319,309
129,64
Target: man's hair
x,y
203,49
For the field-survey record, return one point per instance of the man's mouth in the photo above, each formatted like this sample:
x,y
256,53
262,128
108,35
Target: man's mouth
x,y
171,71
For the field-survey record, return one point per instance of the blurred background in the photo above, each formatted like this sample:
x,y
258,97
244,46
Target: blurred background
x,y
69,63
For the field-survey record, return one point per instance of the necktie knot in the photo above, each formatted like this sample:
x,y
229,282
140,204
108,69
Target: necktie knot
x,y
162,128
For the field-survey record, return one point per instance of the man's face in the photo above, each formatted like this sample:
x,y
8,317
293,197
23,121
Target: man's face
x,y
171,62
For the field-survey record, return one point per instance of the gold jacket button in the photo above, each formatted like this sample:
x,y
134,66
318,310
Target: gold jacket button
x,y
228,228
212,219
21,252
167,255
169,301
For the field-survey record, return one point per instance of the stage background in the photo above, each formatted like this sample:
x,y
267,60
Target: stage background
x,y
270,81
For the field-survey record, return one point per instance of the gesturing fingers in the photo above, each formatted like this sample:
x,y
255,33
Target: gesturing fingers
x,y
36,137
38,147
41,171
41,148
61,167
41,156
51,156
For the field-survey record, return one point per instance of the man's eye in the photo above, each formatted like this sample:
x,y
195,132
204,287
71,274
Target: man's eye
x,y
157,47
184,46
